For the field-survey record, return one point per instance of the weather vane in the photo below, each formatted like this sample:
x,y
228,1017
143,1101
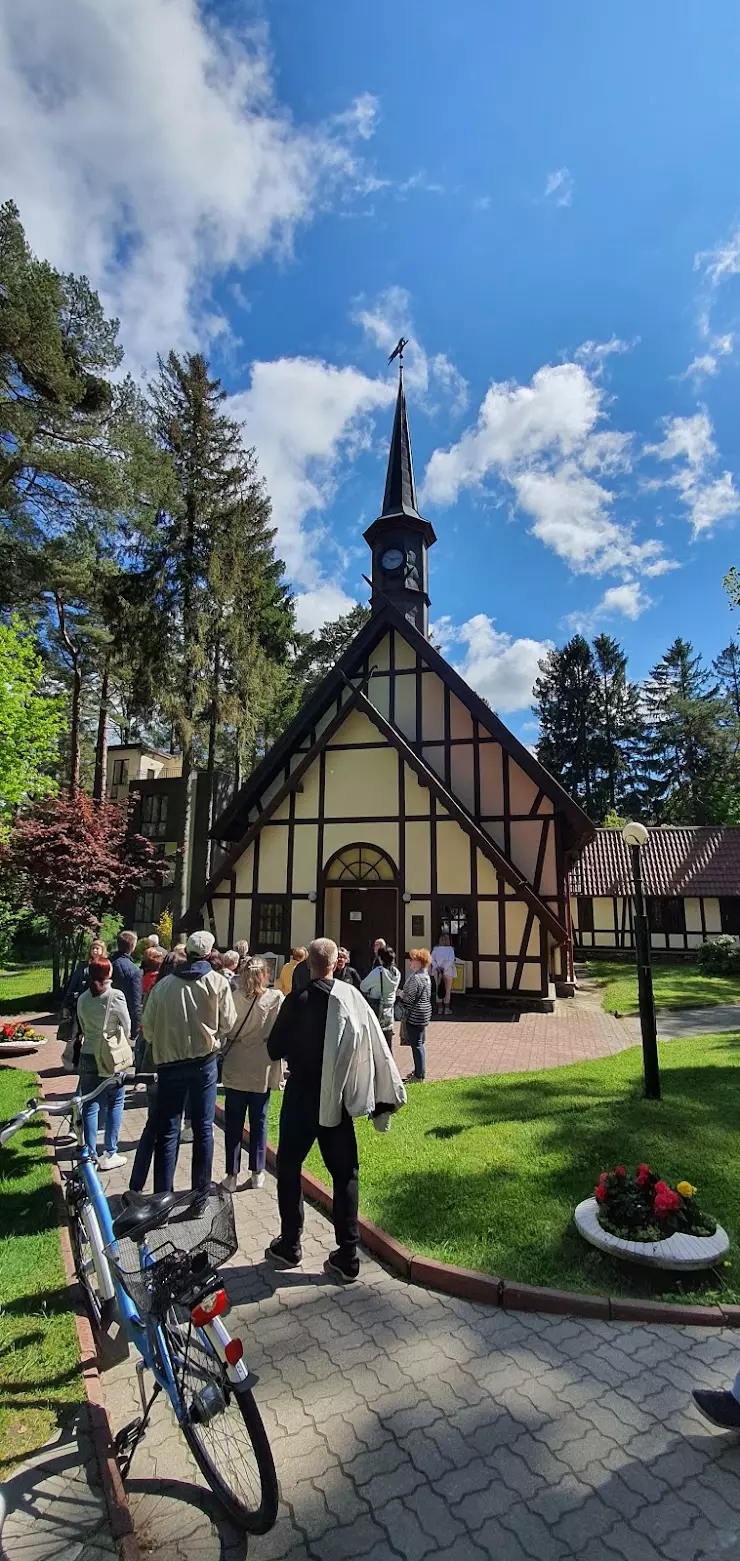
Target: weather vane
x,y
397,352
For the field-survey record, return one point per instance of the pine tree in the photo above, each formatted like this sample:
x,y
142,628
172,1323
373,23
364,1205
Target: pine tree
x,y
567,696
619,729
685,749
318,653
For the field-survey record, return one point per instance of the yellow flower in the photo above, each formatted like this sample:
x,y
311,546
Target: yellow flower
x,y
685,1188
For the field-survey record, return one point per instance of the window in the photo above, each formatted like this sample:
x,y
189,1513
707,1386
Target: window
x,y
361,864
120,771
144,905
666,915
729,910
453,917
154,815
585,913
271,924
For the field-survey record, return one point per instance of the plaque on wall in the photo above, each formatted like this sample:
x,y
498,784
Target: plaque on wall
x,y
417,926
355,915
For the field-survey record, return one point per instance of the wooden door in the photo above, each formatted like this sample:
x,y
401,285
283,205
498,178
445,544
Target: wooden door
x,y
368,914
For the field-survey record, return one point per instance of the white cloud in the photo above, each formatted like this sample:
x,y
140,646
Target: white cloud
x,y
706,364
144,146
707,498
315,608
388,317
628,601
544,440
560,186
361,116
498,667
304,416
721,262
717,266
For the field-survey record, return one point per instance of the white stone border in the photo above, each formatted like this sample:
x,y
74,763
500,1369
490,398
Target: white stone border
x,y
677,1251
17,1048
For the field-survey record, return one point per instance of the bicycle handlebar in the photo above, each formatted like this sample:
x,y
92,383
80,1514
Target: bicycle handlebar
x,y
59,1108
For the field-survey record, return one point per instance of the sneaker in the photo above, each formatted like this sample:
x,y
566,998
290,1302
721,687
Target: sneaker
x,y
111,1162
283,1255
229,1182
721,1409
413,1078
257,1181
347,1272
448,1011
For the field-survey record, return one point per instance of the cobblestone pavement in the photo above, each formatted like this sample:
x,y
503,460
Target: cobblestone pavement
x,y
409,1424
578,1031
55,1509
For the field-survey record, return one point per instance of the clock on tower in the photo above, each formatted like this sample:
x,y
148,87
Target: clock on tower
x,y
400,538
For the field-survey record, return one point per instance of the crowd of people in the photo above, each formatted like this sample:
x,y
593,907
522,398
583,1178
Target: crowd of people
x,y
192,1017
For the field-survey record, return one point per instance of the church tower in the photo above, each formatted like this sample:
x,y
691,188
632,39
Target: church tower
x,y
400,539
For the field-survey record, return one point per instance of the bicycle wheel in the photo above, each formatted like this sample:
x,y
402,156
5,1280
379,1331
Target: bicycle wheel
x,y
96,1304
228,1439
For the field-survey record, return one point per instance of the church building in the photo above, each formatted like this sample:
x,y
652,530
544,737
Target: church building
x,y
398,805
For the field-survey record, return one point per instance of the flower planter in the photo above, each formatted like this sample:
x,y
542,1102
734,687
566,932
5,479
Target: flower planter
x,y
679,1251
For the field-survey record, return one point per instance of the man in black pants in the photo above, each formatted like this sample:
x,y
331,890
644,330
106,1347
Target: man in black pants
x,y
298,1036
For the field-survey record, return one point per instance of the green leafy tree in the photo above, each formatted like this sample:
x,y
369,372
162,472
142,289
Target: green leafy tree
x,y
31,720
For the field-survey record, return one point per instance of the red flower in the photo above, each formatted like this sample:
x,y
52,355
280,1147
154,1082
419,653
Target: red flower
x,y
602,1178
666,1202
619,1170
662,1187
8,1030
644,1174
600,1193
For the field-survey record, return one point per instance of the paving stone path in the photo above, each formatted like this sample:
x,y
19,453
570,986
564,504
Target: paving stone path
x,y
55,1509
409,1424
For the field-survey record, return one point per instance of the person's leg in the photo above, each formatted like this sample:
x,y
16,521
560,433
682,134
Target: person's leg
x,y
235,1111
448,979
145,1146
114,1102
416,1034
721,1407
338,1147
202,1088
388,1038
258,1105
172,1086
299,1121
87,1081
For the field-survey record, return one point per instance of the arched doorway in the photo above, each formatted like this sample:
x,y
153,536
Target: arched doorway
x,y
361,900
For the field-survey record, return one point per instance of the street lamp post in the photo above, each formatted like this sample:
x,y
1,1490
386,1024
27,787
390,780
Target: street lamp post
x,y
635,836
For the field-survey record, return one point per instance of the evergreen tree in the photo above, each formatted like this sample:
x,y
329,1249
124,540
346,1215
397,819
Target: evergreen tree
x,y
685,749
726,667
318,653
619,729
567,704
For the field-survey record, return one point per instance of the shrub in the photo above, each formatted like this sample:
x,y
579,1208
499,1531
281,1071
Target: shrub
x,y
645,1208
719,956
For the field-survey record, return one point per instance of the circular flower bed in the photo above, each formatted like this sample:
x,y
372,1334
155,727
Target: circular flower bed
x,y
645,1219
19,1037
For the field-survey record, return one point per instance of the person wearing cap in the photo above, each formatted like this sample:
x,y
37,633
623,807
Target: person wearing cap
x,y
185,1017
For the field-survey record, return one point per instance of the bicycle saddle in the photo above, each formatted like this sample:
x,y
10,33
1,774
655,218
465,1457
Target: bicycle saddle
x,y
148,1213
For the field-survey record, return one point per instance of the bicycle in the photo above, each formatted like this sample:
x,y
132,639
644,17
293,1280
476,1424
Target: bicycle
x,y
155,1266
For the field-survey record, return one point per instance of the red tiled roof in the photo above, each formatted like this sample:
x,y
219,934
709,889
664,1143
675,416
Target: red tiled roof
x,y
678,859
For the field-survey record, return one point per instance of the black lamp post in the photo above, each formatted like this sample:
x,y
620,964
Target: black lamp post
x,y
635,836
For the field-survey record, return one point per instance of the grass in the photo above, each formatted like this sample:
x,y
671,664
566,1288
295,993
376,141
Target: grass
x,y
25,989
40,1378
486,1172
675,986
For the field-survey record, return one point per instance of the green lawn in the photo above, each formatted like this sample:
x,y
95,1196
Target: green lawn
x,y
39,1357
25,989
486,1172
675,986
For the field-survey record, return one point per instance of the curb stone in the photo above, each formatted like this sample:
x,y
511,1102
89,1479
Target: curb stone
x,y
471,1285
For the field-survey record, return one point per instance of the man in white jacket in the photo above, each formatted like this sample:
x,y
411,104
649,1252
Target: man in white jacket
x,y
340,1067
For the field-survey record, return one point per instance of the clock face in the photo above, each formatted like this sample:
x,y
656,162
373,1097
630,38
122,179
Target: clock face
x,y
392,559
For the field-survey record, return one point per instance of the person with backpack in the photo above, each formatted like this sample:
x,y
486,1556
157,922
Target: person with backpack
x,y
248,1075
380,989
103,1018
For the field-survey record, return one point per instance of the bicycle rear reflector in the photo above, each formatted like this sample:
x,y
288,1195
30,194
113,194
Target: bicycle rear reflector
x,y
212,1306
234,1351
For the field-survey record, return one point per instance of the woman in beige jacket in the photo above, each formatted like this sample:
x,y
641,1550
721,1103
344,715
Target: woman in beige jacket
x,y
248,1074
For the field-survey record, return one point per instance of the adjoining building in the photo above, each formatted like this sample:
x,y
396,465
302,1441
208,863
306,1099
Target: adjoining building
x,y
691,878
397,804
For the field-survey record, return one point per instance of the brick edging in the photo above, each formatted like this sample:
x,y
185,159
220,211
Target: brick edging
x,y
114,1492
467,1284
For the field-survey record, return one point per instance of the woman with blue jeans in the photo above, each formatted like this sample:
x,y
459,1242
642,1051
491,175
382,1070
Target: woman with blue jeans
x,y
248,1075
417,1011
104,1022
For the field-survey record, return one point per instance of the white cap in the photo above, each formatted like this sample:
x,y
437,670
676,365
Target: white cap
x,y
200,944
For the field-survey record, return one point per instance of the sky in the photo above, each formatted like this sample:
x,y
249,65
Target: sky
x,y
544,199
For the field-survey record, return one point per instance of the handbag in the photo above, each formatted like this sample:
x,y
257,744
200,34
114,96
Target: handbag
x,y
232,1038
115,1054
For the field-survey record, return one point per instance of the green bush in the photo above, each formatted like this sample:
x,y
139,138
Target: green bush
x,y
719,956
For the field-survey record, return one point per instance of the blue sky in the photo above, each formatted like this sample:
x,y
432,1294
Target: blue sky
x,y
545,199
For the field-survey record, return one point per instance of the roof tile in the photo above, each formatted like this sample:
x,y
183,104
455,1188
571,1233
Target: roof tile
x,y
678,859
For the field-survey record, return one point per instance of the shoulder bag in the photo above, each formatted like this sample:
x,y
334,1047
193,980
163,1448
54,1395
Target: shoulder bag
x,y
225,1049
115,1052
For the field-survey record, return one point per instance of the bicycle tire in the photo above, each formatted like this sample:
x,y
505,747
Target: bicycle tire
x,y
95,1304
219,1446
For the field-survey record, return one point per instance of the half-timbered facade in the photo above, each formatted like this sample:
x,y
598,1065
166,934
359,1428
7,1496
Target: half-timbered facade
x,y
691,877
397,804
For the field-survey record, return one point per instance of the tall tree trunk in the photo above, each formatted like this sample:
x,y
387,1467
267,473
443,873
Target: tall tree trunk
x,y
101,746
211,762
56,972
74,731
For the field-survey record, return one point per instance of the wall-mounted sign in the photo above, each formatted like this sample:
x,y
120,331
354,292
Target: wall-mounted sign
x,y
355,915
417,926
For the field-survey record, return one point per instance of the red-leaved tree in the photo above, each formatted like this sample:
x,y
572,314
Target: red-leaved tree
x,y
71,859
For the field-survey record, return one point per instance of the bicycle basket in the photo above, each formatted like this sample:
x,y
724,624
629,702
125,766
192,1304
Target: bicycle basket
x,y
182,1254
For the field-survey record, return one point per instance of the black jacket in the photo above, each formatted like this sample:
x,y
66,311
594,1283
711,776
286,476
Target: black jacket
x,y
128,978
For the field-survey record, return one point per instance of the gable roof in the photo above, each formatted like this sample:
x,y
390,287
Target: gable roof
x,y
677,859
233,822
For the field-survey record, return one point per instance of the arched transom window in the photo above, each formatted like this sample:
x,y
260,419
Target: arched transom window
x,y
361,864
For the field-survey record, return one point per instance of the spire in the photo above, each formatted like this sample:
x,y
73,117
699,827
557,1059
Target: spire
x,y
400,490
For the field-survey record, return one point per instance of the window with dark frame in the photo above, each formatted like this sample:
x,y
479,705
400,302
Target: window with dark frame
x,y
666,914
154,809
120,771
271,920
453,917
144,908
585,913
729,910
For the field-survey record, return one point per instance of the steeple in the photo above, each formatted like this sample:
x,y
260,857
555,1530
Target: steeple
x,y
400,538
400,490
